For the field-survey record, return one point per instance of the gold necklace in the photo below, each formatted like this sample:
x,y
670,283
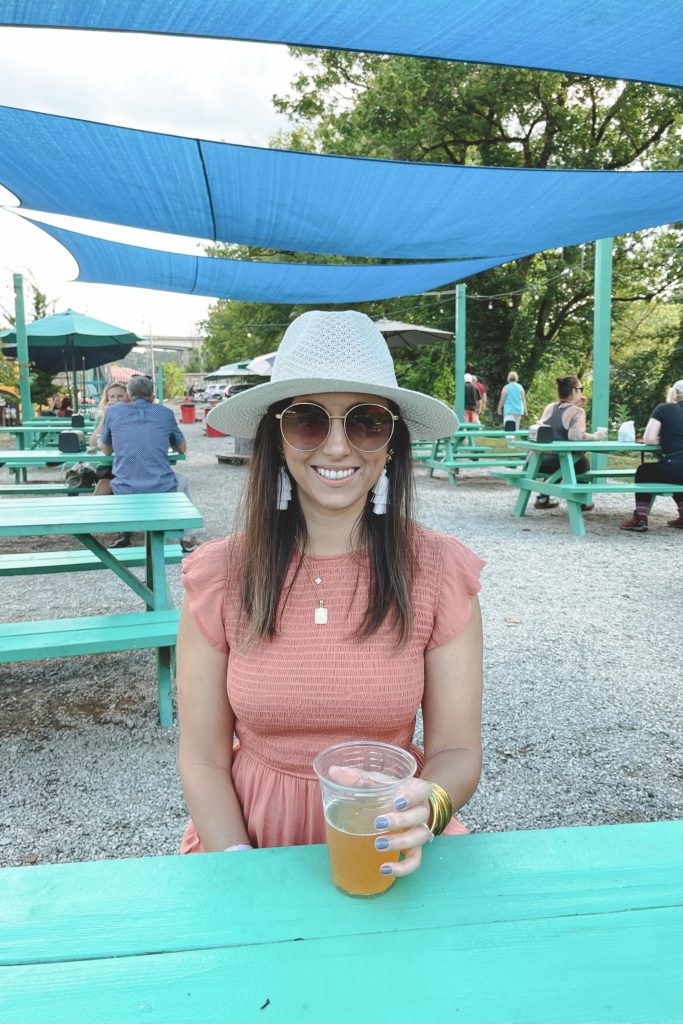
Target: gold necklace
x,y
320,613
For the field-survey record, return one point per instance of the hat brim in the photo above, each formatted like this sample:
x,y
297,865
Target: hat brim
x,y
427,419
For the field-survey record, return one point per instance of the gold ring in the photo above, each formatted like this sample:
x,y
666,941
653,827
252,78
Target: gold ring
x,y
431,834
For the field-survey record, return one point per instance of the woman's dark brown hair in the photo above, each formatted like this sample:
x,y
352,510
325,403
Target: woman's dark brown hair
x,y
565,386
272,537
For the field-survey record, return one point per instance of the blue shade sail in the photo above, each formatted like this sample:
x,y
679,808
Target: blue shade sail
x,y
104,262
303,202
634,39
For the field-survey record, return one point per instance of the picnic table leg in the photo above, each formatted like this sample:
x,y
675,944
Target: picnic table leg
x,y
155,567
530,473
574,509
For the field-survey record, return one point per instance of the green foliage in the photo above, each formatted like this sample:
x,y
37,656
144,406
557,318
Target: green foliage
x,y
43,387
195,363
174,380
533,315
9,374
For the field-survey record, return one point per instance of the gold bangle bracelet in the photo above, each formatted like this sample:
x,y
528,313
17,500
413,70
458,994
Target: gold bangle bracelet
x,y
441,810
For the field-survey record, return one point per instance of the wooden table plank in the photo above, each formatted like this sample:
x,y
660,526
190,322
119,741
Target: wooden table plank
x,y
23,517
128,907
588,969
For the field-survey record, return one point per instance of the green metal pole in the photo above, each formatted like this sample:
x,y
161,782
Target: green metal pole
x,y
160,383
602,322
22,352
460,345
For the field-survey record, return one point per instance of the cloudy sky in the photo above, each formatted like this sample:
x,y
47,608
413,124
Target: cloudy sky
x,y
212,89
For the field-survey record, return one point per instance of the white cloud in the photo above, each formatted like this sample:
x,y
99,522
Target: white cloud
x,y
206,88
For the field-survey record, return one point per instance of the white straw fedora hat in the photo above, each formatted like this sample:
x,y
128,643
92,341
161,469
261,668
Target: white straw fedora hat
x,y
333,352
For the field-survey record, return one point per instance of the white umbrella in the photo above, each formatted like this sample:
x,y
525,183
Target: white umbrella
x,y
262,365
400,335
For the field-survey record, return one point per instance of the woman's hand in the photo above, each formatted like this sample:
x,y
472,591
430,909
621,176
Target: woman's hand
x,y
405,824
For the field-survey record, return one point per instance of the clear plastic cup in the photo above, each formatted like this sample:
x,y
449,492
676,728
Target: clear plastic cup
x,y
601,433
350,810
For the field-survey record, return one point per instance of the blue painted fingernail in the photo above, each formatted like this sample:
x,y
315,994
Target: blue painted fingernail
x,y
381,843
381,822
400,803
386,869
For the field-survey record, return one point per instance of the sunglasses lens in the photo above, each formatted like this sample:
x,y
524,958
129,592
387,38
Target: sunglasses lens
x,y
305,426
369,427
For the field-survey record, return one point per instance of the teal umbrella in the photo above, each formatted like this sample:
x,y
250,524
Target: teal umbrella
x,y
71,341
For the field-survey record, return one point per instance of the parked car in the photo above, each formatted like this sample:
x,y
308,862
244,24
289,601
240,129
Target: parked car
x,y
212,391
235,389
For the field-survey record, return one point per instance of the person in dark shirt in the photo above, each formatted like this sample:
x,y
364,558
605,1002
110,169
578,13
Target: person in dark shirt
x,y
665,427
472,400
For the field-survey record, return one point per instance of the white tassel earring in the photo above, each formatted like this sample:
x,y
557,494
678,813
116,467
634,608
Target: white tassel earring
x,y
284,489
380,494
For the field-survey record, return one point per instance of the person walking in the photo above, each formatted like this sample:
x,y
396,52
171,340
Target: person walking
x,y
472,400
331,615
665,427
512,402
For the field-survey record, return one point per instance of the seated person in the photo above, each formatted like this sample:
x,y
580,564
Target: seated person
x,y
139,433
113,392
567,418
665,427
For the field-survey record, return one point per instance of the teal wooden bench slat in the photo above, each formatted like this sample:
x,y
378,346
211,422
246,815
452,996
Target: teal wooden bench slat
x,y
93,634
55,488
33,563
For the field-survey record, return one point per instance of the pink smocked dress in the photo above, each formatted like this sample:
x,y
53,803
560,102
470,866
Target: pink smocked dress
x,y
313,685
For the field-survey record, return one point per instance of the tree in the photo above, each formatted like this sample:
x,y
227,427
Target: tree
x,y
174,380
43,386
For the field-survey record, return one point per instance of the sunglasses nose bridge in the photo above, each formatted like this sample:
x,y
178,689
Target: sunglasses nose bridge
x,y
337,437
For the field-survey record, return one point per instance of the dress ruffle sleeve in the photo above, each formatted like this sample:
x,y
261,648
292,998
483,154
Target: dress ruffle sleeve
x,y
204,578
460,582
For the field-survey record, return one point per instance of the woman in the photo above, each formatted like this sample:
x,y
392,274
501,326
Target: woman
x,y
332,614
665,427
567,418
113,393
512,402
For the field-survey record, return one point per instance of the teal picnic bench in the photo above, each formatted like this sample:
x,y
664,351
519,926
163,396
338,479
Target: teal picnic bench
x,y
461,451
159,516
36,563
577,489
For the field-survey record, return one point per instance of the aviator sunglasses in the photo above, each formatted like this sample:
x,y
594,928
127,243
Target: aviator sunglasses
x,y
306,425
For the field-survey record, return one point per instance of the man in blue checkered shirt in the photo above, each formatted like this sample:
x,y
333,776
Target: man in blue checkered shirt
x,y
139,433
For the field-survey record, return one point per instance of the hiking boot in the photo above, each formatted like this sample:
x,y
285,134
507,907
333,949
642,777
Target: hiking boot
x,y
636,524
676,523
588,508
545,503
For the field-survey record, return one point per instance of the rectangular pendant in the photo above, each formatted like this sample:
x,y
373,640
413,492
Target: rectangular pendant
x,y
320,616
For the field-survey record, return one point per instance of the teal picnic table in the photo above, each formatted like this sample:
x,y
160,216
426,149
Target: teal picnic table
x,y
41,435
463,450
559,926
578,490
19,461
158,516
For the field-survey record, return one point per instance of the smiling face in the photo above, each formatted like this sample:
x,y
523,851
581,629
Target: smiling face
x,y
335,476
117,393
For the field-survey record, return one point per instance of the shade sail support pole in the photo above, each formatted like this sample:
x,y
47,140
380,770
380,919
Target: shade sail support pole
x,y
460,346
602,329
22,351
160,383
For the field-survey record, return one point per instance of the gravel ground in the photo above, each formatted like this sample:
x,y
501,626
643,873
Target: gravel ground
x,y
582,717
